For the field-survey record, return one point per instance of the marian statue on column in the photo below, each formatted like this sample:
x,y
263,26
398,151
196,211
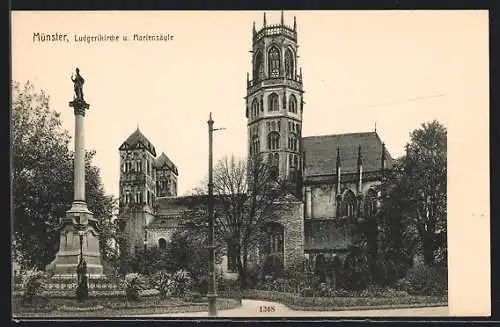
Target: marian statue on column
x,y
78,85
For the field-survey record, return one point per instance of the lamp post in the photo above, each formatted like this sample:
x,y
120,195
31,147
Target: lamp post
x,y
80,234
81,270
211,295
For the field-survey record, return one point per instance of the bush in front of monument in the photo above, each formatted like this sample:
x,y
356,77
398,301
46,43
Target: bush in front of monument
x,y
33,284
162,281
134,283
182,283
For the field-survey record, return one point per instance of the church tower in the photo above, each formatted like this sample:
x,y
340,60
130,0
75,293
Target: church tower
x,y
274,101
137,187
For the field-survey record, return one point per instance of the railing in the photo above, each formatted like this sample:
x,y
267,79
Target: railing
x,y
272,30
253,85
70,282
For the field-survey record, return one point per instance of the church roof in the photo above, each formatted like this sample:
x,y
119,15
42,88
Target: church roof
x,y
164,222
321,153
179,205
137,140
163,160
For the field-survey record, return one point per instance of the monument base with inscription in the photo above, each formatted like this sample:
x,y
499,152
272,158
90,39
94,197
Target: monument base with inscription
x,y
79,236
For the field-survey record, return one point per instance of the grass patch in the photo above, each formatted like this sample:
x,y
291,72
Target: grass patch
x,y
297,302
111,307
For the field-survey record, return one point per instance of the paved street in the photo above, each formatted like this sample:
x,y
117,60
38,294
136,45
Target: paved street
x,y
251,308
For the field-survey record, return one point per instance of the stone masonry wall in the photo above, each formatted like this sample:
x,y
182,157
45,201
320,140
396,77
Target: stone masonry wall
x,y
292,219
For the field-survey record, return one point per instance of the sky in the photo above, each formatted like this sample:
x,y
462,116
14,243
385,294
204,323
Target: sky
x,y
395,69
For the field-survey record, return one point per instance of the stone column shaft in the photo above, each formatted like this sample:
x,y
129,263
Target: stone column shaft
x,y
79,170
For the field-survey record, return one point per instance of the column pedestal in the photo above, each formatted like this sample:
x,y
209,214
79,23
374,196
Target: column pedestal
x,y
78,218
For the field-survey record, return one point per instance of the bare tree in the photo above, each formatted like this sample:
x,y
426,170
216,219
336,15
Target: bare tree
x,y
247,196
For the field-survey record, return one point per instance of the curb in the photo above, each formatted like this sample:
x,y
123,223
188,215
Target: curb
x,y
368,308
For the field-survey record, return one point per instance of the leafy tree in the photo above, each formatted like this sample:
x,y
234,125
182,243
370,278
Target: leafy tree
x,y
425,187
413,213
42,178
246,198
396,235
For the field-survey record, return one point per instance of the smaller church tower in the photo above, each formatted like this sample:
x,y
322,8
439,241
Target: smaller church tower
x,y
137,187
166,177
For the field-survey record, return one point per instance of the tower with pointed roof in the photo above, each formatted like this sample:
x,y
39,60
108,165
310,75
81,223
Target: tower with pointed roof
x,y
166,177
137,187
274,99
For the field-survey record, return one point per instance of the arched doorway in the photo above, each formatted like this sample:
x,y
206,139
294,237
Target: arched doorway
x,y
162,243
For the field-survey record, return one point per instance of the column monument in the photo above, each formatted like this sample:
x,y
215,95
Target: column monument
x,y
79,239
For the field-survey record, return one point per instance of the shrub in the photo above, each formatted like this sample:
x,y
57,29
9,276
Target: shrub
x,y
252,274
272,266
133,284
281,285
162,281
425,280
194,297
181,283
355,272
32,285
307,292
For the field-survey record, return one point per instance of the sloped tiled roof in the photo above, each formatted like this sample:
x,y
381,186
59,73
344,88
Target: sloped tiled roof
x,y
137,139
177,205
321,153
164,222
163,160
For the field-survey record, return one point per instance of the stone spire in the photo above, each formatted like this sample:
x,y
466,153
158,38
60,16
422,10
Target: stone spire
x,y
360,170
265,21
338,170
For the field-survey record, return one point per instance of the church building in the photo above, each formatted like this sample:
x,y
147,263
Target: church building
x,y
335,174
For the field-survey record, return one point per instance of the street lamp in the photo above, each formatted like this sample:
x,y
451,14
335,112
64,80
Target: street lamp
x,y
80,234
211,294
81,271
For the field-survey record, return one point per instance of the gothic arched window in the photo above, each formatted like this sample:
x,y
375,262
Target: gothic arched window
x,y
348,204
289,64
258,73
274,62
370,203
274,242
255,108
255,145
292,104
162,244
292,142
273,141
273,102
